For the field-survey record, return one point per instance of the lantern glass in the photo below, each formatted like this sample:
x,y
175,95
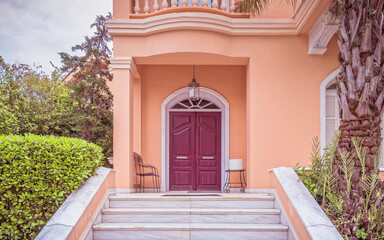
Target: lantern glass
x,y
194,88
194,92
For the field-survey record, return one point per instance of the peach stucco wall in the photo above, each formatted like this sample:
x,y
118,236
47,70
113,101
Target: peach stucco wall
x,y
159,81
80,229
282,89
290,211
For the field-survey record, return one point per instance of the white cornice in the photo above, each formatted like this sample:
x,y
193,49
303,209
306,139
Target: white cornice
x,y
322,32
125,63
214,22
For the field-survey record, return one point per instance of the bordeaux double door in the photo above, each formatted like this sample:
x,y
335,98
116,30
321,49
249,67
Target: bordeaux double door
x,y
195,151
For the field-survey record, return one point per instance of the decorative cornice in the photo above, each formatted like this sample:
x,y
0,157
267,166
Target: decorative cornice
x,y
322,32
214,22
124,63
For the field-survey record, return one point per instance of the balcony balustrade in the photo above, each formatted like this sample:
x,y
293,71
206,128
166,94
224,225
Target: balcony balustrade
x,y
145,7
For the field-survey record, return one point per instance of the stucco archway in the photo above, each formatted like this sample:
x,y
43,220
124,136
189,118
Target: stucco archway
x,y
170,101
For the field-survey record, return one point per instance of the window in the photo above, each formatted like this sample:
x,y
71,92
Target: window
x,y
332,119
198,104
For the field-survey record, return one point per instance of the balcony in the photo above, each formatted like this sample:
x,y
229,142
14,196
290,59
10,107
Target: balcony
x,y
146,17
148,8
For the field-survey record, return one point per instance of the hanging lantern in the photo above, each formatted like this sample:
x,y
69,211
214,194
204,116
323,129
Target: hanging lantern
x,y
194,88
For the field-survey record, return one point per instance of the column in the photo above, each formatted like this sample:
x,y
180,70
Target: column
x,y
137,115
252,122
124,73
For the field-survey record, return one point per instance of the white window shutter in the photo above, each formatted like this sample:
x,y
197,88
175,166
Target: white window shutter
x,y
332,119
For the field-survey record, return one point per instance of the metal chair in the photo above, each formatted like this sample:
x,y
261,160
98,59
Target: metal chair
x,y
145,170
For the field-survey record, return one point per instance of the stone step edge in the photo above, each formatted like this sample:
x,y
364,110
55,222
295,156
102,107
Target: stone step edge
x,y
224,199
190,211
190,227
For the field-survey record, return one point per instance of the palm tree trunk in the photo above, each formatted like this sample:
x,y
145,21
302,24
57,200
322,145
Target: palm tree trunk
x,y
360,84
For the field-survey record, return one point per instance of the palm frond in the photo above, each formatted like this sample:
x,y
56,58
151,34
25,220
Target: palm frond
x,y
256,7
377,161
331,149
316,159
348,167
360,152
369,184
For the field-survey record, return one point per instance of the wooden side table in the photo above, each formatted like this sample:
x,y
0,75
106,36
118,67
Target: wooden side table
x,y
228,184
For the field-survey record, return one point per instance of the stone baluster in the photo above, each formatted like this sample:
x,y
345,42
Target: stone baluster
x,y
223,6
136,9
204,3
195,3
174,3
164,4
146,7
215,4
156,5
232,8
184,3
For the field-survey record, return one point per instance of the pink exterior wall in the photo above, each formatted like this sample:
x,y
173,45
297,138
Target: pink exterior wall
x,y
160,81
279,85
81,226
292,215
283,90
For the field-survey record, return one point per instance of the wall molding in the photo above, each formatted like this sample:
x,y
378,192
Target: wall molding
x,y
125,63
214,22
322,32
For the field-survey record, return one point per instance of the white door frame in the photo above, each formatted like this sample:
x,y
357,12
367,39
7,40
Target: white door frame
x,y
169,102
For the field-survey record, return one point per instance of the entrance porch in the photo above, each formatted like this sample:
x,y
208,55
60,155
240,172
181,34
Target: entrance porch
x,y
190,143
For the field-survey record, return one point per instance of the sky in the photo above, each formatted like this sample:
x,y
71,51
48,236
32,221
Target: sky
x,y
34,31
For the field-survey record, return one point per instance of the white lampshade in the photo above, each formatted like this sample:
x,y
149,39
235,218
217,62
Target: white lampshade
x,y
236,164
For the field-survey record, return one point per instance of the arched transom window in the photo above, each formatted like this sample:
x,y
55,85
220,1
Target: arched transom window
x,y
198,104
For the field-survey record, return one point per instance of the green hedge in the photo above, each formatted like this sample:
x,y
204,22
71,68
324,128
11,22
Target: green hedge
x,y
37,174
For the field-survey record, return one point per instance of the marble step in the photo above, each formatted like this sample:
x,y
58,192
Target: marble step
x,y
193,215
143,231
157,201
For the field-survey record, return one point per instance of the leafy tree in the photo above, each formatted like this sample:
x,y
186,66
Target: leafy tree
x,y
33,102
90,90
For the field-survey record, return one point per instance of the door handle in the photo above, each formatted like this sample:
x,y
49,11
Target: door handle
x,y
207,157
181,157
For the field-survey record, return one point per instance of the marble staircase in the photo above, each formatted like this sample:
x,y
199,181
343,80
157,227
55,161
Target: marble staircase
x,y
191,216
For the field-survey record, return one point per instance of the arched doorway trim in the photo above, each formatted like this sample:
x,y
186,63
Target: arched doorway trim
x,y
166,106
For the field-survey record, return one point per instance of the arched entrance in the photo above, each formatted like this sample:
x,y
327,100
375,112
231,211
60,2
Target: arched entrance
x,y
177,102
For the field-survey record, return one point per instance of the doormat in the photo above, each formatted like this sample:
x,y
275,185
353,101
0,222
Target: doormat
x,y
194,194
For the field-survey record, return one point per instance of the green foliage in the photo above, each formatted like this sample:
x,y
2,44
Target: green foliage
x,y
94,109
360,152
8,121
37,174
320,177
360,233
355,215
33,102
348,167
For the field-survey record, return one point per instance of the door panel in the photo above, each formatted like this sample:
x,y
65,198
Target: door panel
x,y
208,150
182,151
195,151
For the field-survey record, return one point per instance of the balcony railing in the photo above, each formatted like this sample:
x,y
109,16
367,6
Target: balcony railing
x,y
154,6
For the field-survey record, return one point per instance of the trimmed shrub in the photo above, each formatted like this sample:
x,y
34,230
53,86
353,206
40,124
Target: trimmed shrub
x,y
37,174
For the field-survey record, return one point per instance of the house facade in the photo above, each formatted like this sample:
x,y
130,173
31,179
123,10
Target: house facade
x,y
265,88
